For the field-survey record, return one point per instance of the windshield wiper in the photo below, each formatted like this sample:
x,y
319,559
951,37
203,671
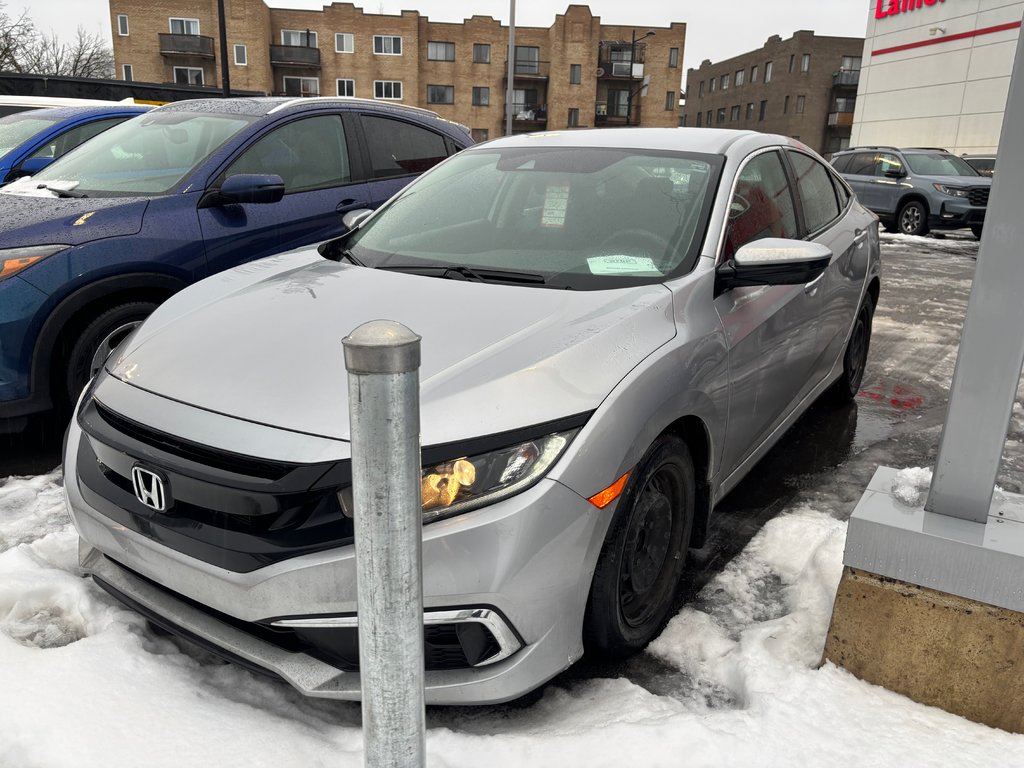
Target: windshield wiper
x,y
478,274
61,192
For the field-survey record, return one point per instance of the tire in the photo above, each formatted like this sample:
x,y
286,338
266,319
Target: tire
x,y
913,218
890,226
976,230
99,338
643,554
855,357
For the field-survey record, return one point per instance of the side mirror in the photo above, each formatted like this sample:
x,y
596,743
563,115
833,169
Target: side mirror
x,y
33,165
245,188
773,261
353,219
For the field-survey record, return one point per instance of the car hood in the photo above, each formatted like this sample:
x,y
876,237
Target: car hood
x,y
37,220
263,343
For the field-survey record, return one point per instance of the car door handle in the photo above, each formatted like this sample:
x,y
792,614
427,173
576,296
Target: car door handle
x,y
812,286
350,202
859,236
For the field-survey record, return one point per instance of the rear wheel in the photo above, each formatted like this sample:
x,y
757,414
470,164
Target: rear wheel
x,y
856,356
99,338
976,229
643,554
913,218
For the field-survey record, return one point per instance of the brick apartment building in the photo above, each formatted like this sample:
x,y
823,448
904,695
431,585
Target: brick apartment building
x,y
578,72
804,87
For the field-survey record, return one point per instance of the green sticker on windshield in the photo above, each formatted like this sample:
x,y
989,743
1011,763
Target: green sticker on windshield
x,y
622,265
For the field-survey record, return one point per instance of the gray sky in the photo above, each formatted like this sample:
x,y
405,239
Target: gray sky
x,y
716,29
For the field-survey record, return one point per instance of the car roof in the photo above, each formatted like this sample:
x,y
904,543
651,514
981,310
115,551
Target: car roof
x,y
265,105
65,113
714,141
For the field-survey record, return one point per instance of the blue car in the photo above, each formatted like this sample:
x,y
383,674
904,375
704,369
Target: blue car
x,y
94,242
31,140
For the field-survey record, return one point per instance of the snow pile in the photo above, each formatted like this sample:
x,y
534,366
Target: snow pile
x,y
909,485
86,683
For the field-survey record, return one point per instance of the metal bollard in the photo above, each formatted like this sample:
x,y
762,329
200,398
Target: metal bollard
x,y
383,359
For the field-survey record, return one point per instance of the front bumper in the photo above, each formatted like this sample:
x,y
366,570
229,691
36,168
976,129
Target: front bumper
x,y
526,562
956,213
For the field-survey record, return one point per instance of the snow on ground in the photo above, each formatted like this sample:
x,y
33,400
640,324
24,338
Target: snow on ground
x,y
85,683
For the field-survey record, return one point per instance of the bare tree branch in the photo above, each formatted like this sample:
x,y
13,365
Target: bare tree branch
x,y
88,55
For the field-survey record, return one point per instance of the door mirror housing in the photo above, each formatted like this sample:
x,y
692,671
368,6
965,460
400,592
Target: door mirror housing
x,y
246,188
33,165
353,219
773,261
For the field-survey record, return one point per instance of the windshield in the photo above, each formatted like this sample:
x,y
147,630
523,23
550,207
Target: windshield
x,y
16,129
939,164
580,218
148,155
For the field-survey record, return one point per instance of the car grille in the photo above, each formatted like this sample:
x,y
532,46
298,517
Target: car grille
x,y
978,195
236,512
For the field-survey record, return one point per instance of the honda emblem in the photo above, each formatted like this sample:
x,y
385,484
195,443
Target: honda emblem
x,y
149,488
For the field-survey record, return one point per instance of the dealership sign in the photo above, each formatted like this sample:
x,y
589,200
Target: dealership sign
x,y
884,8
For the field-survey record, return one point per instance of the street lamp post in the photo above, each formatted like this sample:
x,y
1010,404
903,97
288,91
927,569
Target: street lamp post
x,y
632,55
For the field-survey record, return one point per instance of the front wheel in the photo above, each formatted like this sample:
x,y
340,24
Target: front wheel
x,y
643,554
913,218
856,356
99,338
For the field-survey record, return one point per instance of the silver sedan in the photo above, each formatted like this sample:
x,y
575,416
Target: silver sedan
x,y
617,325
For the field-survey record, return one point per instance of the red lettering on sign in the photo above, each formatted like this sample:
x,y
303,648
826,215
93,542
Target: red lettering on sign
x,y
884,8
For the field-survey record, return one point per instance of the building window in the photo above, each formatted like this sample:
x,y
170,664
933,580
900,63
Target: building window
x,y
184,26
753,74
575,73
721,115
750,110
387,89
767,71
670,100
346,87
302,38
724,83
700,90
709,118
481,54
799,105
738,79
673,57
301,86
850,63
734,113
805,63
241,59
440,94
387,45
122,24
188,75
845,104
126,72
699,120
527,60
479,134
441,51
785,106
481,96
761,113
792,59
344,42
574,118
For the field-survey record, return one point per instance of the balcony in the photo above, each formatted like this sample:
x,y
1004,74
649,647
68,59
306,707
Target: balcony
x,y
530,70
529,115
614,114
295,56
613,61
840,119
846,77
186,45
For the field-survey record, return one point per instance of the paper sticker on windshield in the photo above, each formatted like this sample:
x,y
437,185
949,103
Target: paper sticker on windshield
x,y
622,265
556,199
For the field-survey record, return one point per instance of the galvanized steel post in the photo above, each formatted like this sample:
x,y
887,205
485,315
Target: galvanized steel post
x,y
383,359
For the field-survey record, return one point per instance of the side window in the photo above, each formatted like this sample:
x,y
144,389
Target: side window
x,y
887,162
842,163
71,139
817,195
862,164
308,154
399,149
761,205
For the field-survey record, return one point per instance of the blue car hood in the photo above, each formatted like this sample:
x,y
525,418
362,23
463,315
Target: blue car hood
x,y
35,220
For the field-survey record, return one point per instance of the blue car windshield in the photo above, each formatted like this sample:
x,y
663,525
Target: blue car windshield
x,y
571,217
148,155
17,129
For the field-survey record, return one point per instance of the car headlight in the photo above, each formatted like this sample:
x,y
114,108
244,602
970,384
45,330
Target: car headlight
x,y
13,260
468,482
952,191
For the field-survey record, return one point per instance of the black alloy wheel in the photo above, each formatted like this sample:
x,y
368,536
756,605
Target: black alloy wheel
x,y
856,356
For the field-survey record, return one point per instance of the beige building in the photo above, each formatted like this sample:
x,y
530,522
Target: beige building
x,y
577,72
804,87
